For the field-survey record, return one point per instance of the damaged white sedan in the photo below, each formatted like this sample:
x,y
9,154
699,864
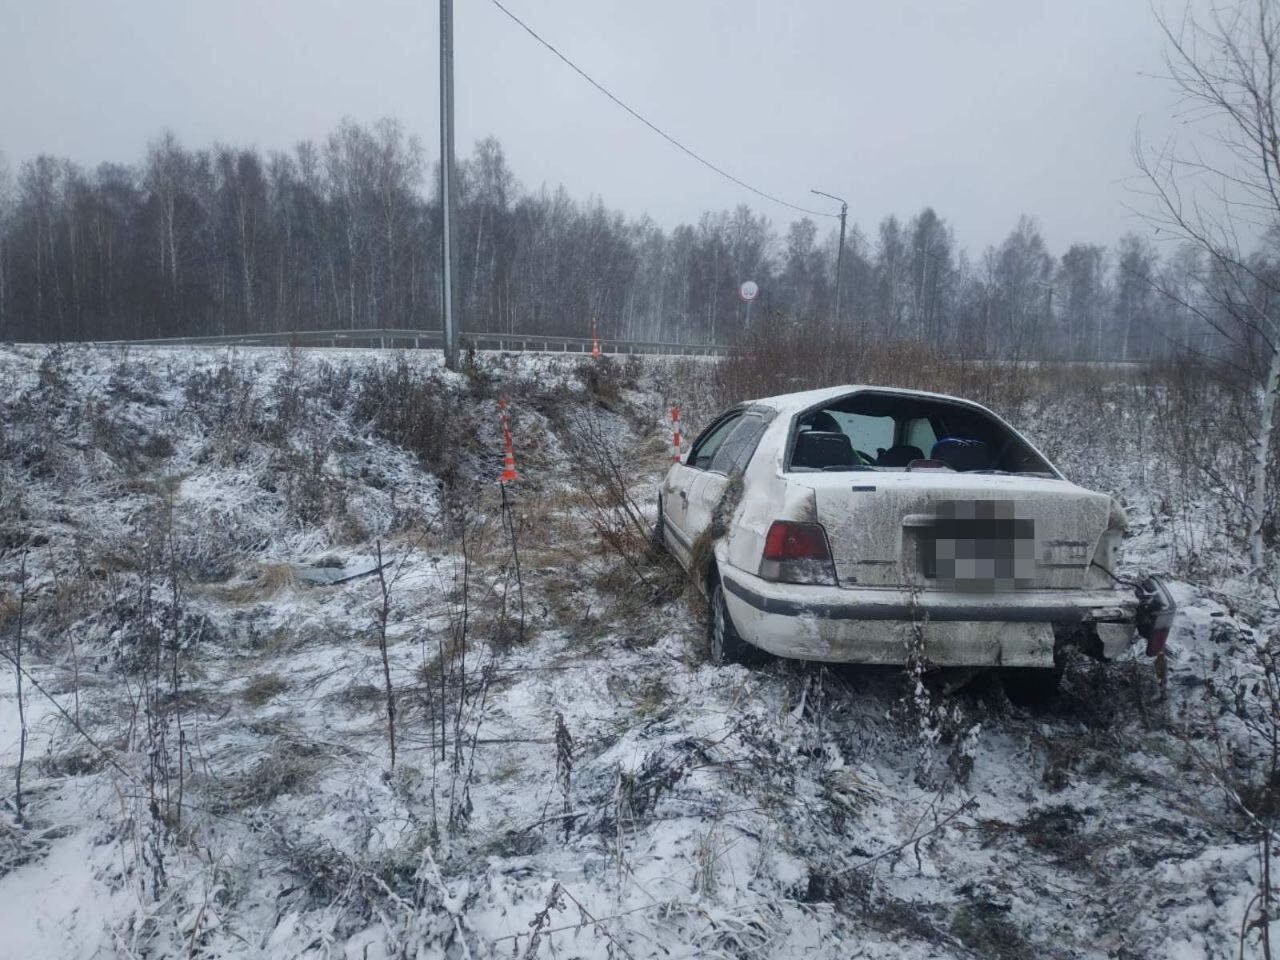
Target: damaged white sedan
x,y
870,525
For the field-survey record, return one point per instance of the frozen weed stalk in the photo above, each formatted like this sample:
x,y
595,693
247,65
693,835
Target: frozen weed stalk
x,y
564,769
15,656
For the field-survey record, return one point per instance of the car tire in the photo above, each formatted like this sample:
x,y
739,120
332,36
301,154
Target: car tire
x,y
1030,686
724,643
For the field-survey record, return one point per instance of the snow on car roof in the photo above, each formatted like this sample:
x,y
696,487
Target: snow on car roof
x,y
804,399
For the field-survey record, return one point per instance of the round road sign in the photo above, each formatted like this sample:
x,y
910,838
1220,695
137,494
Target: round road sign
x,y
749,290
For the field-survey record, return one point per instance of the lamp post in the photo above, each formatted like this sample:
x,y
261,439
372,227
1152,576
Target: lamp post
x,y
844,210
449,330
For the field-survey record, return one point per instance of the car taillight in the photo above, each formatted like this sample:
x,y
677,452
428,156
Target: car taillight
x,y
797,553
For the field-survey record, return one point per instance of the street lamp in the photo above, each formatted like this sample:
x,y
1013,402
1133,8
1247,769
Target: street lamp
x,y
844,210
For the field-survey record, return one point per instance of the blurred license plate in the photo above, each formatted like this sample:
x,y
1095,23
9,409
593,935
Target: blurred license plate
x,y
982,545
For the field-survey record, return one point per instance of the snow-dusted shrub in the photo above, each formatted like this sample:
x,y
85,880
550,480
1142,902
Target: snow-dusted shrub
x,y
415,410
226,404
21,844
332,384
399,898
985,925
604,380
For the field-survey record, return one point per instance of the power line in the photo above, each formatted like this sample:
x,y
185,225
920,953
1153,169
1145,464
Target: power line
x,y
652,126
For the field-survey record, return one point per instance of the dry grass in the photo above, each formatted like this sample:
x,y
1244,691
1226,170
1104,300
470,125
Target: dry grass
x,y
276,577
652,698
272,578
262,688
9,603
506,772
288,769
356,695
73,597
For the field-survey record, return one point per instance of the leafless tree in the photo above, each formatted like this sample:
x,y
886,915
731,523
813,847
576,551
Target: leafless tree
x,y
383,612
1222,193
17,677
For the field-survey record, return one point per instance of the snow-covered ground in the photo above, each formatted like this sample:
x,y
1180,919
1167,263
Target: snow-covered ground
x,y
208,768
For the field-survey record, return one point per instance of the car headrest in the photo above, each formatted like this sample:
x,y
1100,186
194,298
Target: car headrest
x,y
960,454
821,448
823,422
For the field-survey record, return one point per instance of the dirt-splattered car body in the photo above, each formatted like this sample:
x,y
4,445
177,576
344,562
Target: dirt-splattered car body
x,y
865,524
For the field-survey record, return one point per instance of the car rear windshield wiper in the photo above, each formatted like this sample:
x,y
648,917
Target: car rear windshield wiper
x,y
840,468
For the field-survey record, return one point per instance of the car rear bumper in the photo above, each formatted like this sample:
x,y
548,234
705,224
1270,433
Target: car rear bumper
x,y
879,625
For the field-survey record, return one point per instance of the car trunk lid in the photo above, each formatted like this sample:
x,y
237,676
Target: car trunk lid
x,y
967,531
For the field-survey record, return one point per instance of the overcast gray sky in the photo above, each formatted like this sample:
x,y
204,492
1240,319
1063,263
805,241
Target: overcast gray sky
x,y
984,109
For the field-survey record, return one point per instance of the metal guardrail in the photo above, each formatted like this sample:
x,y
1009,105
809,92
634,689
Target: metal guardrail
x,y
430,339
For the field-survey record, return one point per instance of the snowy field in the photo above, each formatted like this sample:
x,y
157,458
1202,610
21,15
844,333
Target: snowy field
x,y
208,769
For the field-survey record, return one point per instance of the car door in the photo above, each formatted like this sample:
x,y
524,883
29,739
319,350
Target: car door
x,y
682,478
729,461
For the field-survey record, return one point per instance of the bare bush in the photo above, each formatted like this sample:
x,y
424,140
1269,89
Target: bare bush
x,y
624,533
782,357
1243,719
415,411
604,379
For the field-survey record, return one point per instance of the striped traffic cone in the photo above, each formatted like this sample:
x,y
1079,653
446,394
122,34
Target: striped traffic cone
x,y
509,457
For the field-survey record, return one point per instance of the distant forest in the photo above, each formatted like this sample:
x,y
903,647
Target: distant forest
x,y
345,234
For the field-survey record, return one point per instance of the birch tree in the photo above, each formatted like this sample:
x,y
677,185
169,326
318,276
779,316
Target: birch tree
x,y
1223,192
6,211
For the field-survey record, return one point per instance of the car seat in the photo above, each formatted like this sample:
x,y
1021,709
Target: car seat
x,y
961,454
819,449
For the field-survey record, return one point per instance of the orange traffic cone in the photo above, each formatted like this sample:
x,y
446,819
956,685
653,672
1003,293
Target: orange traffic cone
x,y
509,457
595,340
675,438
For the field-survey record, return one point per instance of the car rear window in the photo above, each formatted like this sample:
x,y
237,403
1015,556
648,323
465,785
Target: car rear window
x,y
890,430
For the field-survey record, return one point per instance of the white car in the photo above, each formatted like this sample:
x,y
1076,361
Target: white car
x,y
868,525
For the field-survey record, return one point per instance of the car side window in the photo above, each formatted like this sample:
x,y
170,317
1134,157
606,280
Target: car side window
x,y
865,432
738,445
709,443
920,434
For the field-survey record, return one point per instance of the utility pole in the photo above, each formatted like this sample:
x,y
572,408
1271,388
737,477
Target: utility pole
x,y
448,326
844,210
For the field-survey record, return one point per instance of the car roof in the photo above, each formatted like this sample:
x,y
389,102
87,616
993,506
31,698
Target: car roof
x,y
791,403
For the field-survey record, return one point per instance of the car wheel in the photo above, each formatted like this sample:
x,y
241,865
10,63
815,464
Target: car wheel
x,y
724,643
1030,686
